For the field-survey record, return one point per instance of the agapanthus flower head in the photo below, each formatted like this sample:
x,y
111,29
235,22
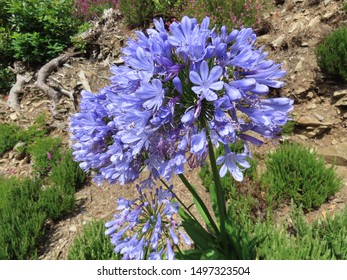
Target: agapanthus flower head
x,y
145,228
178,90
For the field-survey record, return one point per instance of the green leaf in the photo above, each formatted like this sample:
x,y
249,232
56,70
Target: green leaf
x,y
194,254
196,232
212,254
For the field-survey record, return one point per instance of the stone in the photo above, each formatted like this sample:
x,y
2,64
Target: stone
x,y
312,134
298,67
328,14
302,137
300,90
342,102
310,95
326,2
293,27
310,121
264,39
279,42
311,106
19,150
13,116
313,22
319,117
318,131
340,93
334,154
73,228
304,44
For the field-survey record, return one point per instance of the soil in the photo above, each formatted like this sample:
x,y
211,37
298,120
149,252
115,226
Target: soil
x,y
296,27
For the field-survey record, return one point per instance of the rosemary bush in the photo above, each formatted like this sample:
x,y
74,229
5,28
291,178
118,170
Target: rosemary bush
x,y
8,137
92,244
57,201
66,176
21,221
332,54
67,173
45,153
295,172
322,240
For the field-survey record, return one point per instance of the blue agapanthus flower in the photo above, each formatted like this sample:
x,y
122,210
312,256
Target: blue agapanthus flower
x,y
145,228
178,90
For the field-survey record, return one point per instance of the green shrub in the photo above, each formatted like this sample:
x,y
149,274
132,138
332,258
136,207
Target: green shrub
x,y
57,201
21,221
66,176
45,153
3,14
332,54
137,12
322,240
67,172
35,131
40,28
11,134
295,172
93,244
6,76
333,233
6,79
6,184
168,9
8,137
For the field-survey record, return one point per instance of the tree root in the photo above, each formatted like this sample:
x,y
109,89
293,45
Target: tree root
x,y
54,92
21,80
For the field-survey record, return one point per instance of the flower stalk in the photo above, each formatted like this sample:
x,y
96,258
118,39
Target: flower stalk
x,y
200,202
220,198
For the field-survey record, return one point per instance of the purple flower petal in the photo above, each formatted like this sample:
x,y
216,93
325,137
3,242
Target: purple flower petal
x,y
170,255
198,143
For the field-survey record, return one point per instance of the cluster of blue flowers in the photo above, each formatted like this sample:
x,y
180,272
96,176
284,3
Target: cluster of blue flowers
x,y
145,227
177,91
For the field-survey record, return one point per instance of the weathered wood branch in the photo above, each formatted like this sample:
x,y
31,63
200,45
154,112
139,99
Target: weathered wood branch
x,y
54,93
21,79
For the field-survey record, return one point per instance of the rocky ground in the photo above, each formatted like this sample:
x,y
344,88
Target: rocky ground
x,y
296,27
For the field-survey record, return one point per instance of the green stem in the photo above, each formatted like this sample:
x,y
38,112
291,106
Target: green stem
x,y
180,201
199,200
220,197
